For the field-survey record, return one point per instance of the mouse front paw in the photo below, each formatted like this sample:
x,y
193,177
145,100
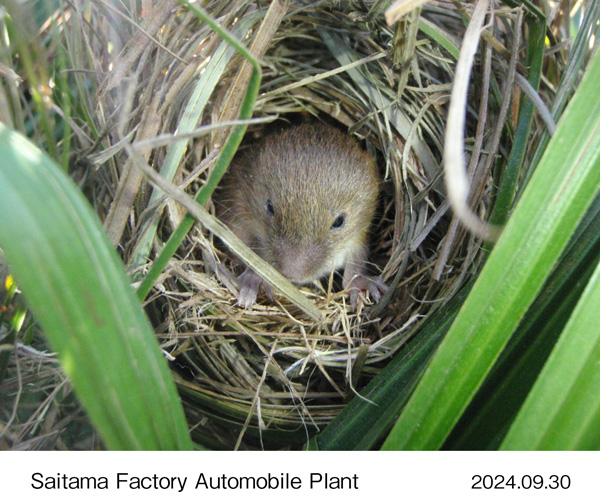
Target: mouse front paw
x,y
249,285
362,283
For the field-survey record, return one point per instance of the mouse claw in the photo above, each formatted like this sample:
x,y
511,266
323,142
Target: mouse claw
x,y
361,283
249,285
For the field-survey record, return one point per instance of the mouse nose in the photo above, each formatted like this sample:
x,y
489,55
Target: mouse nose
x,y
298,263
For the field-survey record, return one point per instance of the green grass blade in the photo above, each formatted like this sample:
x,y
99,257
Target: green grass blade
x,y
496,404
439,36
561,189
512,171
78,291
562,411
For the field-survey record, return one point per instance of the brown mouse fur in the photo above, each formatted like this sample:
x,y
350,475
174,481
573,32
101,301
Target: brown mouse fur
x,y
303,200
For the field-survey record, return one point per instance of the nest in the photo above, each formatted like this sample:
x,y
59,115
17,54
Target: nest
x,y
271,376
270,373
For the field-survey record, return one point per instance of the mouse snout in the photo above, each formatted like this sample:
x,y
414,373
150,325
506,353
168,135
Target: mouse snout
x,y
299,264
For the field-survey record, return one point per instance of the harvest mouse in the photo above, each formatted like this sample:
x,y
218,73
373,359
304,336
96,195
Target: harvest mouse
x,y
303,200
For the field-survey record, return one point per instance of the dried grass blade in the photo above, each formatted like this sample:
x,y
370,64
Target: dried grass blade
x,y
456,178
400,8
262,40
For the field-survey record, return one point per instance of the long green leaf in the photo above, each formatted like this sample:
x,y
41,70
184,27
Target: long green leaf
x,y
489,415
561,189
512,171
78,291
562,411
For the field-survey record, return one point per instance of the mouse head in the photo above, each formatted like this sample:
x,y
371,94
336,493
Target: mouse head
x,y
310,195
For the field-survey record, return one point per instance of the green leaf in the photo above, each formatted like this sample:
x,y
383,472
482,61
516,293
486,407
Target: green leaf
x,y
562,411
561,189
512,171
496,404
439,36
78,291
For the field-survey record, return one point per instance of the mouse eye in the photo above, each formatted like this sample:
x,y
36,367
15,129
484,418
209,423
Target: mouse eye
x,y
339,222
269,208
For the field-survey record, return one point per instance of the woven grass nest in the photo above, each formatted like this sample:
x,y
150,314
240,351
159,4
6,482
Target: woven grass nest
x,y
271,376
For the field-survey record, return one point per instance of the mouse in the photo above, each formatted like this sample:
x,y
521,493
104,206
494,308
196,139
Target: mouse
x,y
304,199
